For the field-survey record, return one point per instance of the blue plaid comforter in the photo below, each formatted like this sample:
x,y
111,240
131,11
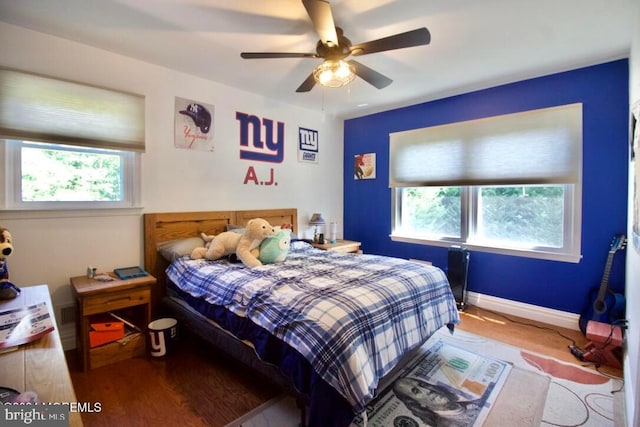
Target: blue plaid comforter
x,y
351,316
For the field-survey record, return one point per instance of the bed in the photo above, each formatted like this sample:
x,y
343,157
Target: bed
x,y
326,326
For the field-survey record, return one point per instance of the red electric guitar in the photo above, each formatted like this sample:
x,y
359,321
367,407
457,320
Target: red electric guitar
x,y
605,306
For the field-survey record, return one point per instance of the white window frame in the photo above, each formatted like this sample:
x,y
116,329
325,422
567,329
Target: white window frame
x,y
570,252
11,199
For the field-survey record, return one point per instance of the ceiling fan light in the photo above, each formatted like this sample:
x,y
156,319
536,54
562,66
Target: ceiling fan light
x,y
334,73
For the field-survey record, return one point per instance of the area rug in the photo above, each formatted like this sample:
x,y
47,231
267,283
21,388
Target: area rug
x,y
443,384
538,391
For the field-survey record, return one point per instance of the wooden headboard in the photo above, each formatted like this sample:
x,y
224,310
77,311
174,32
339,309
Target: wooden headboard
x,y
162,227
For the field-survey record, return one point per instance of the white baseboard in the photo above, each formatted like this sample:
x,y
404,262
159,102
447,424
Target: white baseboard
x,y
528,311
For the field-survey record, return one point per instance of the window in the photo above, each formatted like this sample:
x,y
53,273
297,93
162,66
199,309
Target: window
x,y
54,176
516,219
68,145
508,184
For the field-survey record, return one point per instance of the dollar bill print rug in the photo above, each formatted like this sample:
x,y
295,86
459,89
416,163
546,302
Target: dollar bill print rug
x,y
444,385
484,382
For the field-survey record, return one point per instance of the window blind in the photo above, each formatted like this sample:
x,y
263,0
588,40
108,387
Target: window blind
x,y
44,109
533,147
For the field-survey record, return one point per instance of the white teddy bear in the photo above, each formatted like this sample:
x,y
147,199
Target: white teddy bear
x,y
246,245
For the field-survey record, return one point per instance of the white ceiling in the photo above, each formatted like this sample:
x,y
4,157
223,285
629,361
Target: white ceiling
x,y
474,44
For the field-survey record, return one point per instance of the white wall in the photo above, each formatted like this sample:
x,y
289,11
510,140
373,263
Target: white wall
x,y
53,248
632,368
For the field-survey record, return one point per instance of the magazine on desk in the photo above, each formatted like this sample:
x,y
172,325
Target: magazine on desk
x,y
24,324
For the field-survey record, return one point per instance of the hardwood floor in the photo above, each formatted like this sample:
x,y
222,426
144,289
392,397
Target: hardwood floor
x,y
196,386
530,335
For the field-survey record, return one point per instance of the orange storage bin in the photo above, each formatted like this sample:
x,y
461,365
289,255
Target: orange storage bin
x,y
105,329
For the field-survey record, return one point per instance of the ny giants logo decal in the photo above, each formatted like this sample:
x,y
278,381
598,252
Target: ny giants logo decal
x,y
308,145
254,147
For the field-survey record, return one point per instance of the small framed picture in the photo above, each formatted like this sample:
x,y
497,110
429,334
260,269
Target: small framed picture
x,y
193,123
364,166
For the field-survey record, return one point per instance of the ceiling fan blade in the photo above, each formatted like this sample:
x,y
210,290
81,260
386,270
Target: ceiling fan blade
x,y
307,85
261,55
372,77
412,38
320,13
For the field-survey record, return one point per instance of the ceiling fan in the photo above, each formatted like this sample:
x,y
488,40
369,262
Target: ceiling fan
x,y
334,48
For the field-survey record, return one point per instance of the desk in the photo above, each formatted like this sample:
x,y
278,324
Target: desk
x,y
39,366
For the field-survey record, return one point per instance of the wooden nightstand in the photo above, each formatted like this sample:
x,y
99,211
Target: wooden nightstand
x,y
340,246
129,299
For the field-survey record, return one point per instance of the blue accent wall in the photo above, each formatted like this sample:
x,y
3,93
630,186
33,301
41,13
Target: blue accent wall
x,y
604,92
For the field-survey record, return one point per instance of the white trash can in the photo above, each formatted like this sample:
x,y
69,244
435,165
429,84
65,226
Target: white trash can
x,y
162,333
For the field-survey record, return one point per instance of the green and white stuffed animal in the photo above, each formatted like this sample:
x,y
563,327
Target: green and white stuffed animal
x,y
275,249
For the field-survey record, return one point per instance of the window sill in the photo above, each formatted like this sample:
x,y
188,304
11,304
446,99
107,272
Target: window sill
x,y
551,256
68,213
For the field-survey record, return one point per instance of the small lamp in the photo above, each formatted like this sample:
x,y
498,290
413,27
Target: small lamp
x,y
316,220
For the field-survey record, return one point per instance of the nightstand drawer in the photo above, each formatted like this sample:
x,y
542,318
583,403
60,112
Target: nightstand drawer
x,y
115,301
116,351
